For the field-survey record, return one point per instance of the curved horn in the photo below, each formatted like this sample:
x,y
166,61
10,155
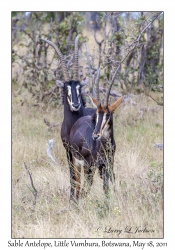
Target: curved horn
x,y
76,66
97,87
63,62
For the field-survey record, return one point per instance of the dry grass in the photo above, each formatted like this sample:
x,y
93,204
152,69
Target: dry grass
x,y
136,200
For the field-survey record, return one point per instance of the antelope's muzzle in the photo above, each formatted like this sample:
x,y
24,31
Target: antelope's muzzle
x,y
96,136
76,106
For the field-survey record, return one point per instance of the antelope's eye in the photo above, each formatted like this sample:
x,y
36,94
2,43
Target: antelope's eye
x,y
107,115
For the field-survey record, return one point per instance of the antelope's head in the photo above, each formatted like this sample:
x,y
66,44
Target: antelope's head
x,y
72,88
73,93
103,118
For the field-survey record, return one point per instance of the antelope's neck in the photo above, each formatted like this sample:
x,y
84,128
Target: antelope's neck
x,y
70,117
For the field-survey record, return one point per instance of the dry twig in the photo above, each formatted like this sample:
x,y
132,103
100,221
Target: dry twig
x,y
34,191
50,126
131,49
158,145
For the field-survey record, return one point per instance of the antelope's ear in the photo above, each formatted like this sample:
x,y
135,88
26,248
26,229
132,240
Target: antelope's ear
x,y
115,105
60,84
93,100
84,82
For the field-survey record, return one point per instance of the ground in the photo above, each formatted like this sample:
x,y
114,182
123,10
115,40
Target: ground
x,y
136,199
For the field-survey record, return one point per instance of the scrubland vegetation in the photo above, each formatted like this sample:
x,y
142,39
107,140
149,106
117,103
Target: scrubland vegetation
x,y
135,201
135,205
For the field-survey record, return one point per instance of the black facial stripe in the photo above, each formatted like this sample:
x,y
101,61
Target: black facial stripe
x,y
73,93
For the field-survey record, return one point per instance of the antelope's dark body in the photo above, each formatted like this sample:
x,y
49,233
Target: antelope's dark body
x,y
74,104
88,140
90,153
83,144
70,118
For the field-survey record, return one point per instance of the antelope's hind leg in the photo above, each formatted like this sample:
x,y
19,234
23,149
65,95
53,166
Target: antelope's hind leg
x,y
72,174
111,170
106,180
89,172
77,164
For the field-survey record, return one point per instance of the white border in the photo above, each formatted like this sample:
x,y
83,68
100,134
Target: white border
x,y
5,96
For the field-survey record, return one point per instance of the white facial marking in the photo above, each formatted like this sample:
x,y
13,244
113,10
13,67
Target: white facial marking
x,y
69,92
69,89
69,99
105,131
78,90
103,121
97,118
70,96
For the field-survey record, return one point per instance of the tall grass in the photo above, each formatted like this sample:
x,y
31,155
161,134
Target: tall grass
x,y
136,200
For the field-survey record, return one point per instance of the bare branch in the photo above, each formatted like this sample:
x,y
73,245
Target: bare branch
x,y
147,93
90,71
158,103
50,126
88,60
133,45
113,14
34,191
99,48
158,145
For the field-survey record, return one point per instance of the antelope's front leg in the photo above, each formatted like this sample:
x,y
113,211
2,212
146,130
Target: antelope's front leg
x,y
72,174
106,180
88,180
77,172
111,170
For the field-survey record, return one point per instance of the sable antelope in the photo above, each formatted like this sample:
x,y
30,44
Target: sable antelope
x,y
74,104
92,143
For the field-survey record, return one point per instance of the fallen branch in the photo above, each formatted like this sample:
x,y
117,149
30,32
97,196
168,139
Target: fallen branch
x,y
159,145
50,126
147,93
34,191
158,103
49,151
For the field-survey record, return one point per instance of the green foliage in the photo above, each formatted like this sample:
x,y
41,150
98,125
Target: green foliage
x,y
118,32
61,28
